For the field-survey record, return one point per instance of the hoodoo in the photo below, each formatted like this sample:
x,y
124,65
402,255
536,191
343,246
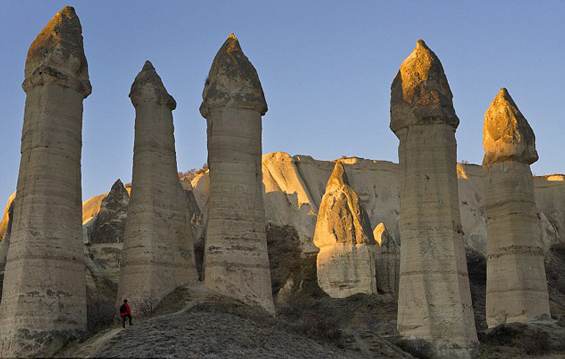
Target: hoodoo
x,y
516,283
346,261
434,301
235,253
44,295
158,250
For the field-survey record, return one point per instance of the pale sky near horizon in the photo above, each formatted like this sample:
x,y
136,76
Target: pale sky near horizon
x,y
325,66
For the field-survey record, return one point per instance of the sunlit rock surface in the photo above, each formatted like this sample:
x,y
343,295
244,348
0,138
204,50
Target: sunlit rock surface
x,y
516,281
158,245
346,261
434,300
387,261
44,295
236,262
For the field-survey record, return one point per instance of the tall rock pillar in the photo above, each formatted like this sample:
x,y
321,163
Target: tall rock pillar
x,y
44,295
235,254
434,301
346,261
158,250
516,283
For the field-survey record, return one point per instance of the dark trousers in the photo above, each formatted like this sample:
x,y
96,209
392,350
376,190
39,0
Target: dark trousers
x,y
124,319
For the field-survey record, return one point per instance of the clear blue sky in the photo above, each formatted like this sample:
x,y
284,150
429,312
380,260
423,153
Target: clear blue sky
x,y
326,69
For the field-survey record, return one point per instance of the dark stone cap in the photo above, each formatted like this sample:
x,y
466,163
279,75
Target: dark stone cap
x,y
148,87
57,55
232,81
420,93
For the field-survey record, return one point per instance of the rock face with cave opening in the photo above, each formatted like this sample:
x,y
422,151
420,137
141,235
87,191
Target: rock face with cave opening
x,y
236,262
44,295
434,300
158,249
516,282
346,261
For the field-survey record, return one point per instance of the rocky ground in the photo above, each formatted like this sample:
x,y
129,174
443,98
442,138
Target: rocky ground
x,y
197,323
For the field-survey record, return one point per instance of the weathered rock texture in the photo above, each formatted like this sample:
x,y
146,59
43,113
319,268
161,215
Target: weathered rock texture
x,y
235,256
434,301
516,282
108,225
158,249
44,296
294,186
346,261
387,261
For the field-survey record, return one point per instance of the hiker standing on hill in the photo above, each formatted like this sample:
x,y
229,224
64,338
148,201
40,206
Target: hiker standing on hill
x,y
125,312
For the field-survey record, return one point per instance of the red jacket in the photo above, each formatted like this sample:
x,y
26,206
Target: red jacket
x,y
128,310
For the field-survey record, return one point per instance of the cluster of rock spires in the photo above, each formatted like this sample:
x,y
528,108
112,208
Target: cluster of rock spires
x,y
44,291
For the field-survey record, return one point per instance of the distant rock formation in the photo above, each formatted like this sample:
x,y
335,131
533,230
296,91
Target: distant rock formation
x,y
236,262
108,225
6,223
434,301
516,281
294,186
387,259
158,249
44,295
5,230
346,261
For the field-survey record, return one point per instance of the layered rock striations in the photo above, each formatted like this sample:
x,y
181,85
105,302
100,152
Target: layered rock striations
x,y
346,261
516,281
158,249
236,262
44,296
434,300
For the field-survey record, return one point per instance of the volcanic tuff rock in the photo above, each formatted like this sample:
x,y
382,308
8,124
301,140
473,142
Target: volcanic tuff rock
x,y
387,260
236,262
434,300
346,261
516,282
420,92
5,230
232,82
507,136
109,223
44,296
158,249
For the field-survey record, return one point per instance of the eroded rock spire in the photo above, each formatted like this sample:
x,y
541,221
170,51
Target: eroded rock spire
x,y
434,301
158,250
44,297
346,261
516,281
235,254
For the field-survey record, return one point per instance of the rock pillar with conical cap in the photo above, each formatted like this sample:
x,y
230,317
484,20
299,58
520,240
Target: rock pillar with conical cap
x,y
516,282
235,253
158,250
434,301
44,295
346,261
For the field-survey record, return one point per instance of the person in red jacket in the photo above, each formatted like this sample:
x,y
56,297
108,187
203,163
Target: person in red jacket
x,y
125,312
